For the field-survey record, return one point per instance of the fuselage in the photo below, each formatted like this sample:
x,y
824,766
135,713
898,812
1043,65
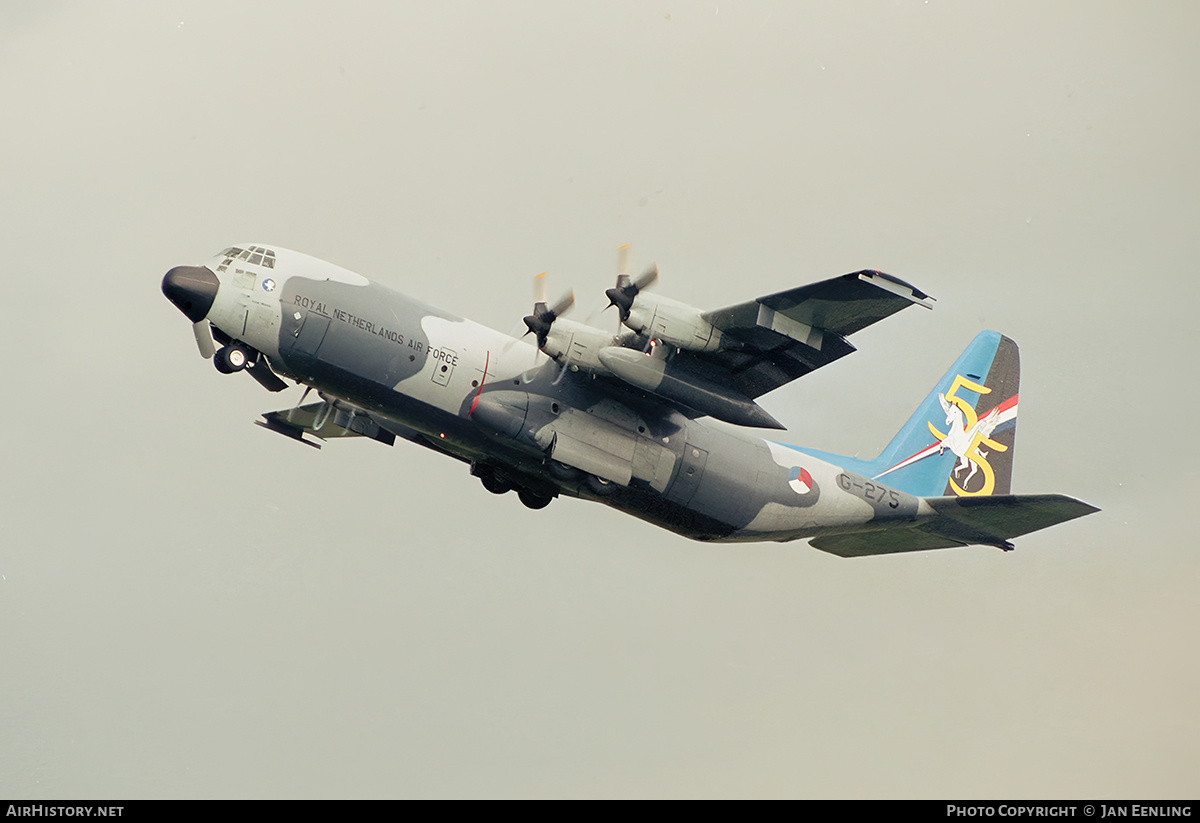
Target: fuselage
x,y
526,422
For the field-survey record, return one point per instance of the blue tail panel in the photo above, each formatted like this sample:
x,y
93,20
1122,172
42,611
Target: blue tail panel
x,y
960,439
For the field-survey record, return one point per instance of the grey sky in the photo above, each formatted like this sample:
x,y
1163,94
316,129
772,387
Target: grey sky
x,y
193,607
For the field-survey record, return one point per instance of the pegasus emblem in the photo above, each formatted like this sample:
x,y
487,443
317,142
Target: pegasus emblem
x,y
965,435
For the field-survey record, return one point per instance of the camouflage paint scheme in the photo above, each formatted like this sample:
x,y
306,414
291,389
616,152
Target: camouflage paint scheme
x,y
385,365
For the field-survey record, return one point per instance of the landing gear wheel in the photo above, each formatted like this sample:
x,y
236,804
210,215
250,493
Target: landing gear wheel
x,y
561,471
494,484
599,486
534,500
231,358
491,479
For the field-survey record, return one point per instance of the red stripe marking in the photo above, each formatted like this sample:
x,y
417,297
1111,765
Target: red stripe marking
x,y
486,359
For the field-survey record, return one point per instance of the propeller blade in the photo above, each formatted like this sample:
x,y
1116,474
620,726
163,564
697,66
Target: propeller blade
x,y
646,279
563,305
322,415
562,372
204,340
291,413
539,289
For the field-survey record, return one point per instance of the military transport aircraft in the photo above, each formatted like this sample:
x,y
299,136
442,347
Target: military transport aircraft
x,y
618,418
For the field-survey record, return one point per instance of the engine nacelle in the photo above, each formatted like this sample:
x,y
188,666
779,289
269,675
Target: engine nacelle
x,y
673,322
653,373
578,343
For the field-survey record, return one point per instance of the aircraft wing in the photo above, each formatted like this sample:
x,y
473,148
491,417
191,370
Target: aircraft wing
x,y
786,335
325,421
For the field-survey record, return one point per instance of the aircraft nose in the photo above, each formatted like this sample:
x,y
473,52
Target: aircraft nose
x,y
192,289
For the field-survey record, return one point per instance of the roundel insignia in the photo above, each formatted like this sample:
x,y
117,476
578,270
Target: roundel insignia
x,y
800,480
802,483
268,284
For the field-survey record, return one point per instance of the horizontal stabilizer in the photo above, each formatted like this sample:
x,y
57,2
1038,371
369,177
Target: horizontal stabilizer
x,y
961,521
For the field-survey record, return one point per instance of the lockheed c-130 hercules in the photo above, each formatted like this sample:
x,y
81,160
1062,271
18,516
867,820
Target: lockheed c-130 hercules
x,y
618,418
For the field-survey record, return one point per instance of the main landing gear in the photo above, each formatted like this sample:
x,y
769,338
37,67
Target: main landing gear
x,y
499,483
533,499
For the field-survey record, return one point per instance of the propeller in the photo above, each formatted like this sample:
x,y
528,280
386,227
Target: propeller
x,y
543,316
623,294
204,339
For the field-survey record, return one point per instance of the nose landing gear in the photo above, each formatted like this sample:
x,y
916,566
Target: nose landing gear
x,y
232,358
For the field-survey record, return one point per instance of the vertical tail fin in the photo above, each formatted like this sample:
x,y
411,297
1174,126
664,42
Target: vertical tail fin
x,y
960,440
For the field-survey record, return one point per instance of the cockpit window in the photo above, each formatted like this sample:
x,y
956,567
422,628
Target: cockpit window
x,y
254,256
